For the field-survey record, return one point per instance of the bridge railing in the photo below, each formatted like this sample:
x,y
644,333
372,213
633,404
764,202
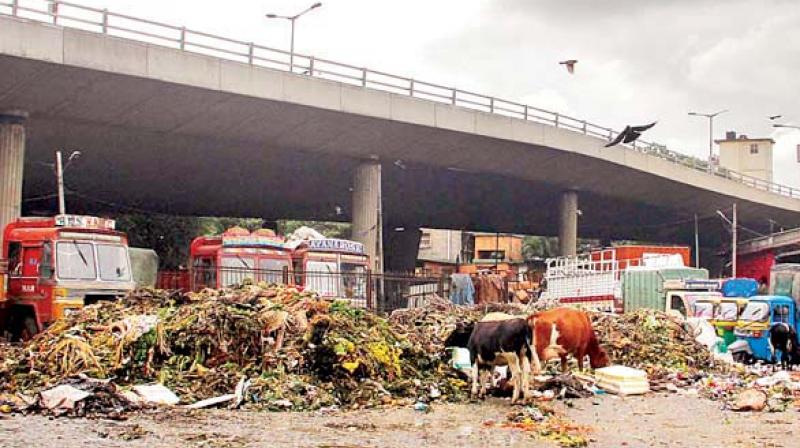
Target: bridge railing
x,y
74,15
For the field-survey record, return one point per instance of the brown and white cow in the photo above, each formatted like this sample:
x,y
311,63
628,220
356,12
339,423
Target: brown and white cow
x,y
501,340
563,331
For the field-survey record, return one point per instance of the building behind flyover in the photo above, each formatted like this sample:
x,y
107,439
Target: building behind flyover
x,y
749,156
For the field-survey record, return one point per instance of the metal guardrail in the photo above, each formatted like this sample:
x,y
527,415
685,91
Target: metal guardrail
x,y
103,21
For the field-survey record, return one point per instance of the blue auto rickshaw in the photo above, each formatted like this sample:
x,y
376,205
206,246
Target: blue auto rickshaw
x,y
760,314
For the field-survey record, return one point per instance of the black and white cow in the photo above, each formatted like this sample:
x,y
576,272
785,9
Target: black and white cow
x,y
501,340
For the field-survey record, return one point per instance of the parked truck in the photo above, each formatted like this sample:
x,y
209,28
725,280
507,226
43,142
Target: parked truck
x,y
237,256
595,280
667,289
57,265
332,267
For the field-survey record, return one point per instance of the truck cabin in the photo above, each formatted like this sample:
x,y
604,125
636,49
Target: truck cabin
x,y
59,264
332,268
237,256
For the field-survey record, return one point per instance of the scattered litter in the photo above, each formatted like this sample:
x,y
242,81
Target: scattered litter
x,y
545,423
751,400
156,394
422,407
62,398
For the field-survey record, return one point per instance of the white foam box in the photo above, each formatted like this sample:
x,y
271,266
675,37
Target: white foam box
x,y
622,380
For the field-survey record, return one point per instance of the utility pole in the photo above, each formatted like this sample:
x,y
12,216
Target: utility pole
x,y
60,179
733,250
734,223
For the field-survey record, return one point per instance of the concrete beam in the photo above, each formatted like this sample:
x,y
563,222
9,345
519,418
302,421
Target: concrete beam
x,y
367,211
568,224
12,161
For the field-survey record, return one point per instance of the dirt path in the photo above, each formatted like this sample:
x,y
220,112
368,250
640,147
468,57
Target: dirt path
x,y
652,421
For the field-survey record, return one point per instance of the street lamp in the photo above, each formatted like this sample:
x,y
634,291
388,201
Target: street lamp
x,y
293,19
710,133
60,167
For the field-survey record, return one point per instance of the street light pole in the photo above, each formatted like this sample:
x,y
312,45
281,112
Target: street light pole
x,y
292,19
710,134
62,207
291,47
60,180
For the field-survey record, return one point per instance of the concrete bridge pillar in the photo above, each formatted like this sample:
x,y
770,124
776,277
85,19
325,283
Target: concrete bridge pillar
x,y
12,157
367,211
568,224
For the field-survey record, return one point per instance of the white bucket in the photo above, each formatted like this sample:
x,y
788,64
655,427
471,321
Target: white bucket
x,y
460,358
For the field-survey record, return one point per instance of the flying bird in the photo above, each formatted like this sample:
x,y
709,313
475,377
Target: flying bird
x,y
570,63
775,117
630,134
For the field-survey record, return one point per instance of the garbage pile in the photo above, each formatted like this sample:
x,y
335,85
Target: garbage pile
x,y
654,342
297,352
544,422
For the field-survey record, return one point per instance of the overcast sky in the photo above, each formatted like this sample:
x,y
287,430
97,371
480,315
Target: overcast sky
x,y
639,60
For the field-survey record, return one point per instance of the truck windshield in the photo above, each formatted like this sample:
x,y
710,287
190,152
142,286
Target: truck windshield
x,y
113,262
235,269
727,311
756,312
75,260
271,269
354,281
321,277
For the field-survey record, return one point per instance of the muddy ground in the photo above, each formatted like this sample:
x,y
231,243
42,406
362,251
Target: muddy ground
x,y
651,421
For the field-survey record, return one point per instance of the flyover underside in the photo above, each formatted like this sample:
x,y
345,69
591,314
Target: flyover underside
x,y
155,146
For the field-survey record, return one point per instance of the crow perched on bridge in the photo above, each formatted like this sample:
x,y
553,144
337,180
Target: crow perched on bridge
x,y
630,134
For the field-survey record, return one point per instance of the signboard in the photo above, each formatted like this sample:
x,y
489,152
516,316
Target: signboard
x,y
251,241
85,222
336,245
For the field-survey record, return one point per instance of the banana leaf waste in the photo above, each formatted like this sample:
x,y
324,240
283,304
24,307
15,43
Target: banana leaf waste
x,y
300,352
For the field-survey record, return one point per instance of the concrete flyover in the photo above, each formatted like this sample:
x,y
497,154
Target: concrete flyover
x,y
168,130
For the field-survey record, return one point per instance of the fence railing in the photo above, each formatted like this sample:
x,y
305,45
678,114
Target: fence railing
x,y
74,15
381,292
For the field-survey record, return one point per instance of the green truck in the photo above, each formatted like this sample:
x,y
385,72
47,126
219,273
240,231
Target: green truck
x,y
667,289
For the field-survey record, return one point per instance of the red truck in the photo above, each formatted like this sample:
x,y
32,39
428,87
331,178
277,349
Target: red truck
x,y
59,264
332,267
228,259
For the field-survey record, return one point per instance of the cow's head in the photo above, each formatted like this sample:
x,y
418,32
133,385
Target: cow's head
x,y
598,358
